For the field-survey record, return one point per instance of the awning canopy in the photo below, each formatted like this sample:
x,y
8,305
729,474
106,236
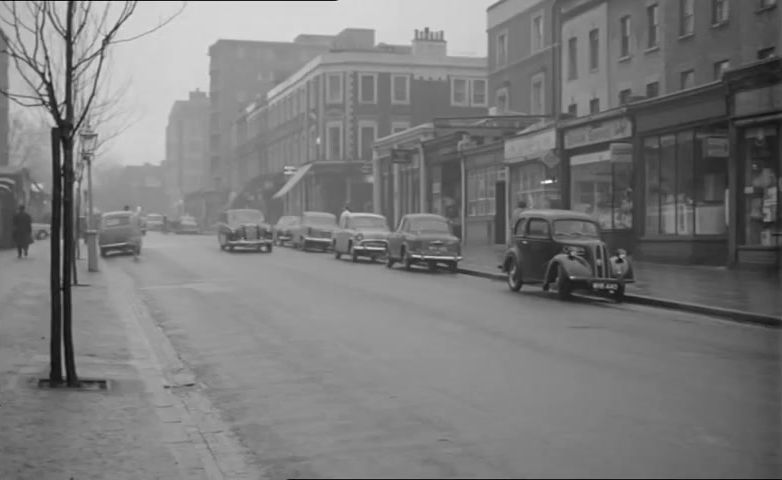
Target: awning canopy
x,y
293,180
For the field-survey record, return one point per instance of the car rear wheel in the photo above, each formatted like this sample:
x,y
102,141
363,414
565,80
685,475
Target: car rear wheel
x,y
406,260
389,259
514,275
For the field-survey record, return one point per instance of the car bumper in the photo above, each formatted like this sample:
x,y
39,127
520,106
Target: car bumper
x,y
117,245
601,284
318,240
249,243
284,237
369,249
432,257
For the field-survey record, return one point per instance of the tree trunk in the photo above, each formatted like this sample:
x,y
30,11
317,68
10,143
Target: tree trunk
x,y
67,143
55,341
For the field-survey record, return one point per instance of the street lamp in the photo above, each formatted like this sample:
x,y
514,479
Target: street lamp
x,y
89,141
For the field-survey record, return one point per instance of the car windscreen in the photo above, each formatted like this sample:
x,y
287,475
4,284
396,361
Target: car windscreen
x,y
576,228
320,219
429,225
245,216
369,223
116,221
285,221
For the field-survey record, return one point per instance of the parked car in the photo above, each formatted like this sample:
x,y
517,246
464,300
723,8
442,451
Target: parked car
x,y
362,235
566,249
424,238
244,228
283,229
187,224
153,222
120,231
314,231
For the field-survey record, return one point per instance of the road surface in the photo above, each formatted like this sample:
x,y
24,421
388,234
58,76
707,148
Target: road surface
x,y
326,368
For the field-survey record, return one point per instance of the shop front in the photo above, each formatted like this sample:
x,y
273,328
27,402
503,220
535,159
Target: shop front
x,y
443,167
598,170
485,212
327,187
682,148
533,167
755,129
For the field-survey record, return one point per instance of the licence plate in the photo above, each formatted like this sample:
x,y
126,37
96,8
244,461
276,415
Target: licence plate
x,y
605,286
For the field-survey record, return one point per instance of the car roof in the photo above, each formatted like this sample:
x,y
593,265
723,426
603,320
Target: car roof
x,y
118,213
319,213
557,214
419,216
243,210
367,214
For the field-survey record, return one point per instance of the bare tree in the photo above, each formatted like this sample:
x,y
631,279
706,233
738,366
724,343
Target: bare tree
x,y
60,50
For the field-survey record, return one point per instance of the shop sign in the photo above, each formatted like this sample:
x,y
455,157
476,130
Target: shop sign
x,y
605,131
759,100
621,152
596,157
530,146
716,147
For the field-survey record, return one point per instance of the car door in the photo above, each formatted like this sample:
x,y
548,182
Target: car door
x,y
536,242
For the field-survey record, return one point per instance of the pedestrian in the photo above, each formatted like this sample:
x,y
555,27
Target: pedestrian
x,y
22,231
343,217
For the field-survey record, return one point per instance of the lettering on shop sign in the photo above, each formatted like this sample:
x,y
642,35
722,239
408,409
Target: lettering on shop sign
x,y
598,133
759,100
530,146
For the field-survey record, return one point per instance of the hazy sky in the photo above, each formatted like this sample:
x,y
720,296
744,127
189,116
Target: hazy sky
x,y
167,65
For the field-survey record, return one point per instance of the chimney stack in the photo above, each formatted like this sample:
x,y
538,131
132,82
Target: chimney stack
x,y
429,43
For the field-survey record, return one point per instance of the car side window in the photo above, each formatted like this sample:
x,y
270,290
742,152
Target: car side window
x,y
518,230
537,228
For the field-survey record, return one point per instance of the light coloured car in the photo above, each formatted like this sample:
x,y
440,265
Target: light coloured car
x,y
424,238
187,224
120,231
316,230
362,235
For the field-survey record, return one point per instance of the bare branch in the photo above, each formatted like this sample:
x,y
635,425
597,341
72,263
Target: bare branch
x,y
160,25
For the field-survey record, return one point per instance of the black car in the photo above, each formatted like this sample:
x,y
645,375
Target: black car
x,y
564,248
244,228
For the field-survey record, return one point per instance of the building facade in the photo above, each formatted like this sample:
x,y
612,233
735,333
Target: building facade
x,y
324,119
523,56
240,70
187,141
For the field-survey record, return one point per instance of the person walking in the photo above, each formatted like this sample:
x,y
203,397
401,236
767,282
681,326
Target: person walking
x,y
344,215
22,231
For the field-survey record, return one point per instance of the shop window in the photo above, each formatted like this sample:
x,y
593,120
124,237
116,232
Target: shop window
x,y
601,186
762,186
536,184
686,178
481,190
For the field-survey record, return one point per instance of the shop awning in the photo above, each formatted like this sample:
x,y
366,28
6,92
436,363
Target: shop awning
x,y
293,180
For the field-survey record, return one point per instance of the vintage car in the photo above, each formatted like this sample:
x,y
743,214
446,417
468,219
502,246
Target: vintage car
x,y
187,224
314,231
424,238
361,235
565,249
120,231
283,229
153,222
244,228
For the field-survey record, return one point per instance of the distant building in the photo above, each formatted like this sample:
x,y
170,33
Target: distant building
x,y
5,112
240,70
145,189
186,165
324,119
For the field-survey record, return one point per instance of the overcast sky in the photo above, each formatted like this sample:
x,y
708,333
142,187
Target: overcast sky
x,y
167,65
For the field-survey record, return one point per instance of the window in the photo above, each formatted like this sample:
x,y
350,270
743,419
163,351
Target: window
x,y
537,228
334,140
625,30
766,53
538,94
719,12
502,50
594,105
686,178
572,50
537,33
459,87
594,49
536,184
652,26
687,78
367,136
686,17
602,187
573,109
478,88
762,216
502,100
720,68
652,89
397,127
624,96
400,89
334,88
481,190
367,88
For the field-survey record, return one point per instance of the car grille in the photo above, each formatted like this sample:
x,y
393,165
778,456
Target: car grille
x,y
440,247
321,234
250,233
601,264
373,243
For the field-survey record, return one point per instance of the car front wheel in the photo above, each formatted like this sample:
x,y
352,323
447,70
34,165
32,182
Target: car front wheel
x,y
514,275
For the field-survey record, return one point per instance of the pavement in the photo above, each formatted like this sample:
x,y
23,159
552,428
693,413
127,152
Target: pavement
x,y
739,295
323,368
140,427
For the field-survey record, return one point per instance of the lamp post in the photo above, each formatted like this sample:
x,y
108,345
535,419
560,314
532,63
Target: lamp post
x,y
89,140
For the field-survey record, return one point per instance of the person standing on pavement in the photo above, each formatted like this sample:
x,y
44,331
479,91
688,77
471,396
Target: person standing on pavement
x,y
344,215
22,231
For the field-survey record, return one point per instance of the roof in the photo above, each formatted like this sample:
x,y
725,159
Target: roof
x,y
424,215
126,213
557,214
318,213
367,214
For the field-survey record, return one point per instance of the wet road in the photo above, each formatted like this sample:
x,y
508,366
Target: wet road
x,y
331,369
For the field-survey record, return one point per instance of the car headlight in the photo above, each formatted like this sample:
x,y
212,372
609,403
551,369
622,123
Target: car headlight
x,y
359,237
